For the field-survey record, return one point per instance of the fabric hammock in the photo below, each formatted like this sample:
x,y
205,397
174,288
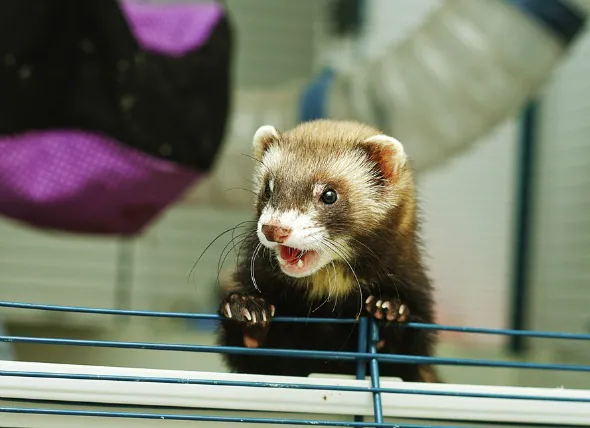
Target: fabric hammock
x,y
108,111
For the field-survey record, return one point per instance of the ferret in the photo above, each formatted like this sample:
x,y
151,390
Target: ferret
x,y
336,235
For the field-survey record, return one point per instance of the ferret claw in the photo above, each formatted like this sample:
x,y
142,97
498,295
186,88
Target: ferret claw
x,y
227,310
388,309
250,310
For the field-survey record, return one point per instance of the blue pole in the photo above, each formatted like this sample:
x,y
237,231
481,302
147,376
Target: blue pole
x,y
524,213
361,364
377,406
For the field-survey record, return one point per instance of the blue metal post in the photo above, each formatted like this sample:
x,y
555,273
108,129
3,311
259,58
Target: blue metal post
x,y
377,407
524,213
361,364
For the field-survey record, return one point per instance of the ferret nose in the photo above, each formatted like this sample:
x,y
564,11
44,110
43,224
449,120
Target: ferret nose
x,y
278,234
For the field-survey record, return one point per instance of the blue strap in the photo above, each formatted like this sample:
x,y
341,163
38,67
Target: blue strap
x,y
556,15
312,104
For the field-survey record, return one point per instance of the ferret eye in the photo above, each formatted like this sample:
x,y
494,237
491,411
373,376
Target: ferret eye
x,y
329,197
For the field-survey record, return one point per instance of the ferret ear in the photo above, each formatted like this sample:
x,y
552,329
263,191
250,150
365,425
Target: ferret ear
x,y
388,153
263,138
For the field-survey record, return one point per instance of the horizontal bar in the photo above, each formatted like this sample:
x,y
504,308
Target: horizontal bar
x,y
503,332
332,397
161,314
199,418
346,356
370,389
188,315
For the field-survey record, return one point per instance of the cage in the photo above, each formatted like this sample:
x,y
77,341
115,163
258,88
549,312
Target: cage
x,y
103,330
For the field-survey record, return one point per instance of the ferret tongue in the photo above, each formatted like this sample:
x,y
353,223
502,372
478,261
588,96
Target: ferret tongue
x,y
289,254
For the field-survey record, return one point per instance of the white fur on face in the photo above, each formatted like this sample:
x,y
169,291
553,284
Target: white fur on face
x,y
305,235
305,232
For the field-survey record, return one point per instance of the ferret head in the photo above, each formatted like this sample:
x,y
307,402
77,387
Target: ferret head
x,y
322,187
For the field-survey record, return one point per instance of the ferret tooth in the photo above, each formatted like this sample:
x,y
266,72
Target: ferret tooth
x,y
227,310
253,317
272,310
246,313
300,263
378,304
369,300
263,316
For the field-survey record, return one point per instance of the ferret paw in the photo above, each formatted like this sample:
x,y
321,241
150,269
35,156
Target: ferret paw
x,y
387,309
253,313
246,309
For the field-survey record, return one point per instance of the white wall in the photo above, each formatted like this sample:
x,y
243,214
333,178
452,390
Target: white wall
x,y
560,267
469,211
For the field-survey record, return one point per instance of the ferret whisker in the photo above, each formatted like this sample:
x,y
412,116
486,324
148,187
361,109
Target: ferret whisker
x,y
369,232
250,231
379,264
330,286
242,235
338,252
221,262
254,254
245,240
271,256
384,270
231,243
261,163
241,188
231,229
341,247
317,228
336,270
345,259
252,182
366,247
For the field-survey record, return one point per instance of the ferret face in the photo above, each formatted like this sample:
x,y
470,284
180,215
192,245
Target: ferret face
x,y
320,187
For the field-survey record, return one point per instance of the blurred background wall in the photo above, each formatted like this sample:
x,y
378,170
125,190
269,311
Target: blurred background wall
x,y
468,206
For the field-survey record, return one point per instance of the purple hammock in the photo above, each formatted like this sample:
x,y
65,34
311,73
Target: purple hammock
x,y
113,171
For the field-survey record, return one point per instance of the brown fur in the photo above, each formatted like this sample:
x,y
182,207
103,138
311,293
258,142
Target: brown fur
x,y
374,227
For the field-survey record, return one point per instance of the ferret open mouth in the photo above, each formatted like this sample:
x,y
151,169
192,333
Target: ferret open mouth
x,y
296,262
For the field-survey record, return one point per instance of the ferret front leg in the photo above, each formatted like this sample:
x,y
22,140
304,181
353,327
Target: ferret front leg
x,y
388,311
252,313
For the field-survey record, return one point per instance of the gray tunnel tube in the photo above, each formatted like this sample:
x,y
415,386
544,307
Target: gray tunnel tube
x,y
470,65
